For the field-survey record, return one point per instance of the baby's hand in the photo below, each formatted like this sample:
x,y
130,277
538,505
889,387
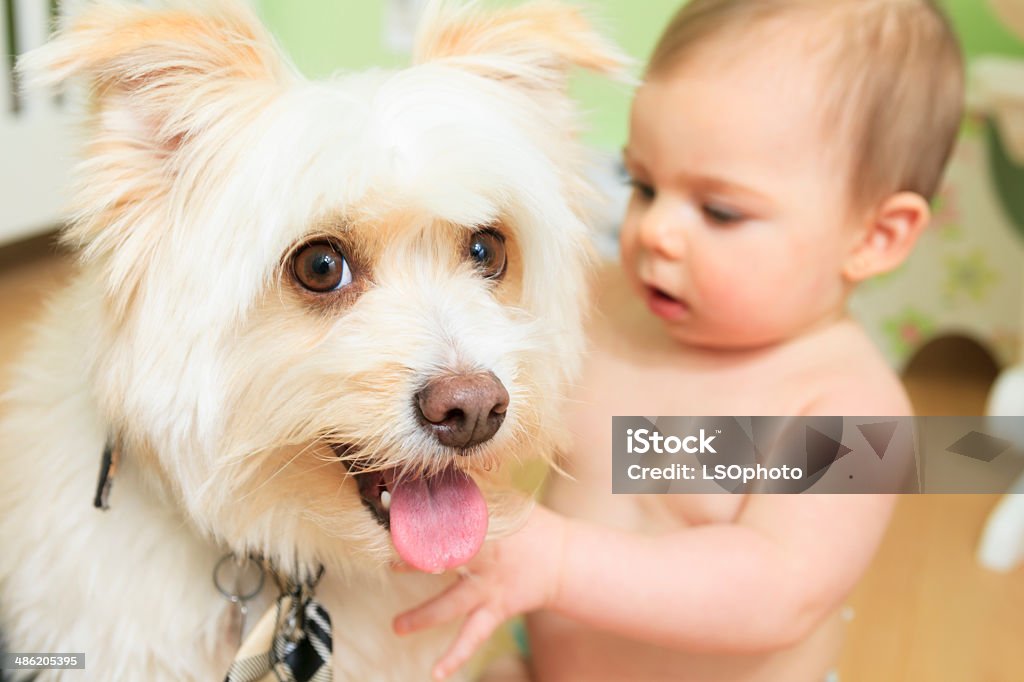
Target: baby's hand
x,y
508,577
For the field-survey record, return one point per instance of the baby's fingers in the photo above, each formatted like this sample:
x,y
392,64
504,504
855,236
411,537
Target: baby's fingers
x,y
456,601
474,632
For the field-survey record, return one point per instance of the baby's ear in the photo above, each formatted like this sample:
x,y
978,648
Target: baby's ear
x,y
534,45
159,69
890,233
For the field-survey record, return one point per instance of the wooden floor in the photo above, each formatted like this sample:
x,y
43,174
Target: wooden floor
x,y
28,271
925,612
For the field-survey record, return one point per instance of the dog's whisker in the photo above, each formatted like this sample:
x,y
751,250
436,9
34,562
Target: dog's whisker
x,y
280,469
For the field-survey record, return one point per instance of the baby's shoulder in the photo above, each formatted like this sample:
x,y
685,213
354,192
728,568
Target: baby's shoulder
x,y
848,375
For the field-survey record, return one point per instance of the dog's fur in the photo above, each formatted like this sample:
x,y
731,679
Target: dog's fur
x,y
184,336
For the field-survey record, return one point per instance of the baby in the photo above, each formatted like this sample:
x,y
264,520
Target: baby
x,y
781,152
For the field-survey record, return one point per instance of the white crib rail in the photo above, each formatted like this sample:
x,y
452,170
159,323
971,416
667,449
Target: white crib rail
x,y
5,73
32,28
35,139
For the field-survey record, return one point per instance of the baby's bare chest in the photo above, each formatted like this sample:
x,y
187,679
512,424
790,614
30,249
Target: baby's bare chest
x,y
659,388
689,389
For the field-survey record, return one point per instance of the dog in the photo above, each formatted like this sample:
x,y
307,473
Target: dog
x,y
309,322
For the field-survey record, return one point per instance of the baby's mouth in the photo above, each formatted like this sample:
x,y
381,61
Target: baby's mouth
x,y
436,521
664,305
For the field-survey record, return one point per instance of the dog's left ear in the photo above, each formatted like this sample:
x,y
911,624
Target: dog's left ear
x,y
532,45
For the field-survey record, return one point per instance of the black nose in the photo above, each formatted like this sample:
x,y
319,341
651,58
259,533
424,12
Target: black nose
x,y
463,410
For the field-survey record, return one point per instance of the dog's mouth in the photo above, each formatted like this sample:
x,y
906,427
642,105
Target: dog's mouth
x,y
436,521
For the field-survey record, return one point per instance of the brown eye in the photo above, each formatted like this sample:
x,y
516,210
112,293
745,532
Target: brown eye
x,y
321,268
487,252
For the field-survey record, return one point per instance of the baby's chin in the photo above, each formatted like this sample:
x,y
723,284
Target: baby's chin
x,y
699,334
744,333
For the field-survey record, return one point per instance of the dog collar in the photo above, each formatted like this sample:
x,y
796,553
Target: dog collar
x,y
108,469
291,641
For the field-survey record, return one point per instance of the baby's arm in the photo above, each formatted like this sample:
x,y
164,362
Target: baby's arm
x,y
757,584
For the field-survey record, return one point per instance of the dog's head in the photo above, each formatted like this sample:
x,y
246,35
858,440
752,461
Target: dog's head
x,y
325,299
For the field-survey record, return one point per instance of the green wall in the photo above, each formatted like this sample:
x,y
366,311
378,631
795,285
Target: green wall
x,y
324,36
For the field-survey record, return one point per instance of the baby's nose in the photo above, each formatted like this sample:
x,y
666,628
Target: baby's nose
x,y
662,234
463,410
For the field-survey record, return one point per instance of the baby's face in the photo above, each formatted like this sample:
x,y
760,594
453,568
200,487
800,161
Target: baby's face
x,y
737,230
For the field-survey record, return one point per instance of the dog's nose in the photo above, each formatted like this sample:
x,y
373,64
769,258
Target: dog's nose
x,y
463,410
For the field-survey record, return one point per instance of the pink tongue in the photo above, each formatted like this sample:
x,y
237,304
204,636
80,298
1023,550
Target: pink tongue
x,y
438,522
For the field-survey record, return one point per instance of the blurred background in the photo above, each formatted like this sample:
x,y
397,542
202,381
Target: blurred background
x,y
951,321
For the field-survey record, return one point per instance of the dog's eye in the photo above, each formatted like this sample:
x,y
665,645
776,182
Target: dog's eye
x,y
320,267
487,251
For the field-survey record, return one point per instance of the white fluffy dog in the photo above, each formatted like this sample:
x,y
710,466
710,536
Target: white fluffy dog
x,y
309,316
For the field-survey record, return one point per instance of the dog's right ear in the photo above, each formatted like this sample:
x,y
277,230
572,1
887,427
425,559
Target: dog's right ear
x,y
165,86
157,70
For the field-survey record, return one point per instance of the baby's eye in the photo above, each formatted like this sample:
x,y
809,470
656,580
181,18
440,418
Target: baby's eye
x,y
645,191
720,215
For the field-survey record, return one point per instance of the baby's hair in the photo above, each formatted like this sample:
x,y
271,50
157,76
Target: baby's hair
x,y
892,74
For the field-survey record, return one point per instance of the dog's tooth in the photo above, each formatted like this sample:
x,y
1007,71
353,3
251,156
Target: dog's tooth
x,y
385,500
